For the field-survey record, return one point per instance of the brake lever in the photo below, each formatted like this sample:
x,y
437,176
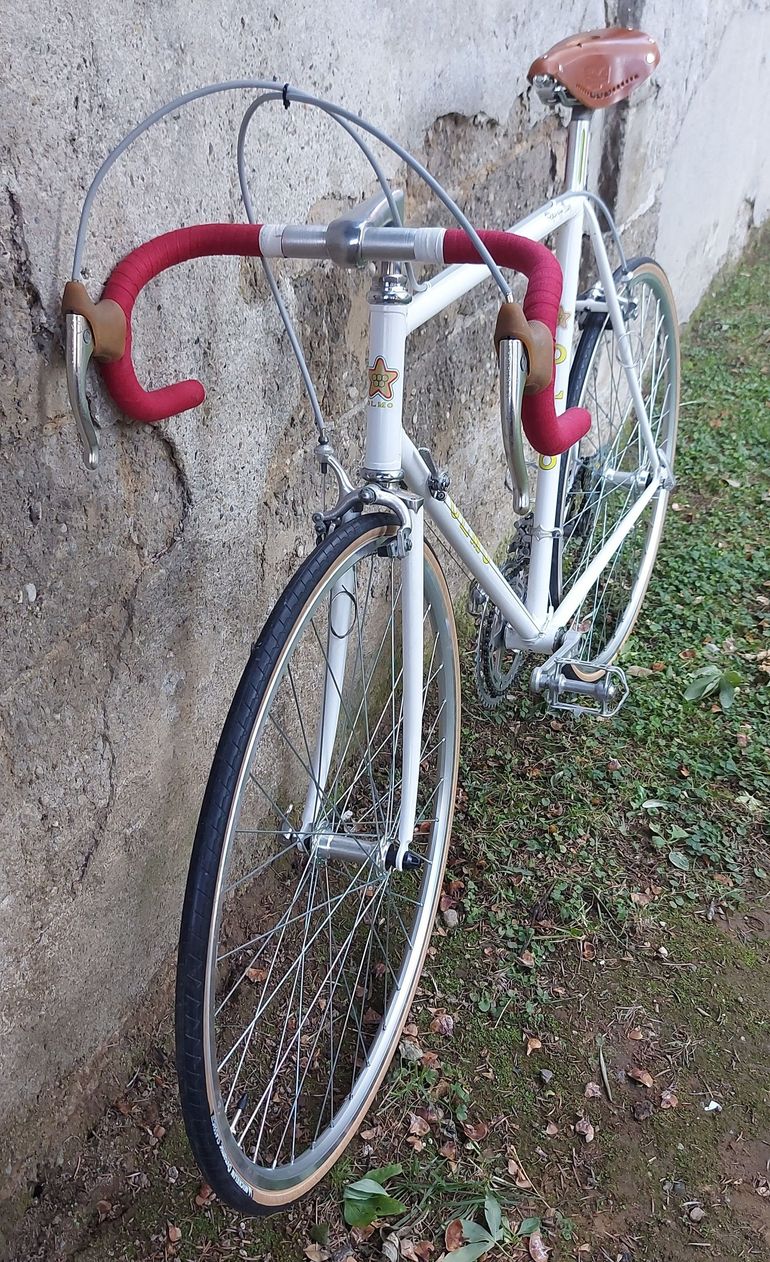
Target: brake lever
x,y
79,349
514,367
91,329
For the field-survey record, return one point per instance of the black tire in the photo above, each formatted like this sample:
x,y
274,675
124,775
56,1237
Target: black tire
x,y
200,898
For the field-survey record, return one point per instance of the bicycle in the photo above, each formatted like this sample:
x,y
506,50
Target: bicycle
x,y
319,855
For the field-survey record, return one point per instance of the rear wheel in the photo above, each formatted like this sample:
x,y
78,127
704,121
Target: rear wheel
x,y
301,944
603,476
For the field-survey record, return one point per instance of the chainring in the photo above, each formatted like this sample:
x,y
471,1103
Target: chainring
x,y
497,666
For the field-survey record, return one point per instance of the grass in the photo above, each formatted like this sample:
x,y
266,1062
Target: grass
x,y
612,884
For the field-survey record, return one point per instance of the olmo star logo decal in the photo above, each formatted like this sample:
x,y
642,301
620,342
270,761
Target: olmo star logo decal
x,y
381,379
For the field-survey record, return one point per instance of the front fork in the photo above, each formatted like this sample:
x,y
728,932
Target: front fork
x,y
413,658
342,620
408,550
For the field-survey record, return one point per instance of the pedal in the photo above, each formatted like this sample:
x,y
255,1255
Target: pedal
x,y
567,686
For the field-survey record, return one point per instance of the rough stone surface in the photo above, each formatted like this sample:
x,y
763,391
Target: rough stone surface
x,y
130,598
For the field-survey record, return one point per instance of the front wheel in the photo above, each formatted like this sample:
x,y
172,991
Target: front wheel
x,y
603,476
301,944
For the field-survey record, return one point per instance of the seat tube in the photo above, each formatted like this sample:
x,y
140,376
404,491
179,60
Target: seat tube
x,y
568,246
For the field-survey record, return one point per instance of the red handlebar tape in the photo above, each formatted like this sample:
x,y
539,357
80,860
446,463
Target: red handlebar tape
x,y
548,433
131,275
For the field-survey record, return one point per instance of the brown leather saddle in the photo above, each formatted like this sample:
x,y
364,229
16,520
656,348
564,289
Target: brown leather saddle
x,y
595,68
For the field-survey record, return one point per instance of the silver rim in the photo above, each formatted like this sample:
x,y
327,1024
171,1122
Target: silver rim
x,y
610,468
317,942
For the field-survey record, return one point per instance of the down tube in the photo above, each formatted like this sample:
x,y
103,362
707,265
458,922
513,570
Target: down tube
x,y
450,522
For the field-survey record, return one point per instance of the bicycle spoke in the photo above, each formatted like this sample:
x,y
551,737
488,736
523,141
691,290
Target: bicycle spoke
x,y
318,950
610,471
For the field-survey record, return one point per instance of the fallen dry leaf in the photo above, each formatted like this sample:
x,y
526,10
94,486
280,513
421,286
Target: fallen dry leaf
x,y
204,1195
315,1253
423,1249
256,974
430,1060
448,1150
103,1208
640,1075
533,1045
174,1233
551,1129
372,1133
643,1108
668,1100
537,1250
584,1128
410,1051
418,1125
588,951
635,1034
443,1024
641,900
519,1177
431,1112
476,1130
453,1236
408,1251
410,1031
360,1234
390,1245
593,1091
527,959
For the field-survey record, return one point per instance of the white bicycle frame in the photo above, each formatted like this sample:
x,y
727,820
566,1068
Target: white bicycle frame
x,y
535,624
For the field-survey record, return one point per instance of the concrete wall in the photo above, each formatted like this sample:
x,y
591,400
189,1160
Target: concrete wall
x,y
129,599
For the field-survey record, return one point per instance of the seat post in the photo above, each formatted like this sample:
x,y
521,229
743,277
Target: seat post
x,y
568,245
578,142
